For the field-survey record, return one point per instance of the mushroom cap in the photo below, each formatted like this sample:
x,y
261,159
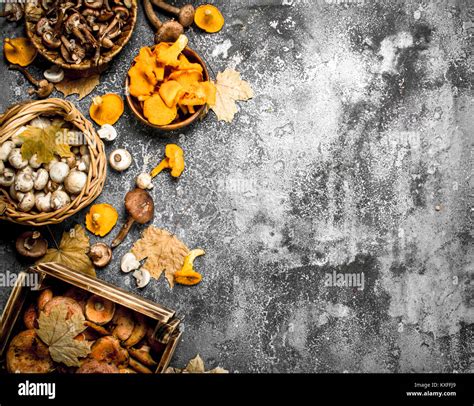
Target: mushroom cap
x,y
73,307
19,51
31,244
28,354
169,32
100,254
209,18
186,15
139,205
92,366
108,349
99,310
106,109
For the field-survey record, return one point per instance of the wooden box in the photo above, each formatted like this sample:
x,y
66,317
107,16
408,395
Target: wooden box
x,y
163,324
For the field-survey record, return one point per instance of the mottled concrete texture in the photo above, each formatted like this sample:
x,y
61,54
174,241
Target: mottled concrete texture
x,y
354,157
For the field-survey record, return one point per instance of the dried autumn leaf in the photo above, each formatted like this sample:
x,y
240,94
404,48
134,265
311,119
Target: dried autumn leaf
x,y
58,332
163,251
72,252
229,89
196,366
44,143
82,87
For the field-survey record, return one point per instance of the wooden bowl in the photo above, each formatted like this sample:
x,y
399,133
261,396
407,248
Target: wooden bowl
x,y
137,110
86,67
20,115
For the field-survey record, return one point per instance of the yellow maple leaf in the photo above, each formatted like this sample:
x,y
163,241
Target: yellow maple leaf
x,y
44,142
229,89
72,251
163,251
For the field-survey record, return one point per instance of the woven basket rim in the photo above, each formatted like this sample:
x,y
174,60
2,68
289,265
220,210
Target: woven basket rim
x,y
20,114
87,64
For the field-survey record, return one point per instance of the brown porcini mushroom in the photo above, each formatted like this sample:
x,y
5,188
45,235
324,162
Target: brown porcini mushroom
x,y
167,32
184,14
31,244
13,12
94,4
44,88
72,52
140,207
99,310
51,40
42,26
100,254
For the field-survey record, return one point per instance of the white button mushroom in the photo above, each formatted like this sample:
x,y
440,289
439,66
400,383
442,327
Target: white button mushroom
x,y
24,182
54,74
17,139
40,122
58,172
50,164
7,178
84,150
144,181
142,277
52,186
75,181
129,262
16,160
84,163
120,159
27,202
43,202
5,150
2,167
14,194
59,199
42,178
34,162
107,132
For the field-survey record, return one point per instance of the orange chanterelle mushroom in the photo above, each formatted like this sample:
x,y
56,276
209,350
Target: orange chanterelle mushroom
x,y
209,18
106,109
19,51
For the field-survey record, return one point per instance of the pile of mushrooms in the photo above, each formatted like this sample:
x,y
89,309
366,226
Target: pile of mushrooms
x,y
80,29
42,187
120,340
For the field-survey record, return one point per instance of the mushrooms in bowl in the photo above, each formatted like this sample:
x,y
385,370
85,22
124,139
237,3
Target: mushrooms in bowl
x,y
168,85
80,35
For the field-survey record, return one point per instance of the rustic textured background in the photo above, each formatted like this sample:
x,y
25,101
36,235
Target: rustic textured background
x,y
353,157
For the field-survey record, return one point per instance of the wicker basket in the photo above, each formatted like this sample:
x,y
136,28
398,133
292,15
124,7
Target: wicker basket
x,y
19,115
86,67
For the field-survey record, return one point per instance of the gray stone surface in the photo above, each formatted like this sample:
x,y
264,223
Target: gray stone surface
x,y
354,157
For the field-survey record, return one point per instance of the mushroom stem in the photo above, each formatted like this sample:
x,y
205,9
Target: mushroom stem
x,y
25,73
166,7
162,165
123,232
154,20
